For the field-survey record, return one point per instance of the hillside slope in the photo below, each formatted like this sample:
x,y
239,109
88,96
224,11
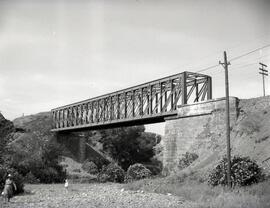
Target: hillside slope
x,y
6,130
41,122
6,127
250,136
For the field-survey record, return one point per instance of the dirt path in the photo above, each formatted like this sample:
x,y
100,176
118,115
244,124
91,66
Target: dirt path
x,y
92,195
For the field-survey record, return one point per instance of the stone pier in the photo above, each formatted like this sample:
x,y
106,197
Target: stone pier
x,y
82,147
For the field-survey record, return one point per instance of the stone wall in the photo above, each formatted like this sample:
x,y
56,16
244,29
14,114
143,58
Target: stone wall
x,y
197,128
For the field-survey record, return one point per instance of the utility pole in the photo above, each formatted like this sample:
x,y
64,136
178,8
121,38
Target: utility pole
x,y
225,66
263,72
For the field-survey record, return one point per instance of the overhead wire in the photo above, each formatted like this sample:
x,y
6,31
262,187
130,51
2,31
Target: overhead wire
x,y
249,52
208,68
214,53
253,61
239,67
234,58
239,44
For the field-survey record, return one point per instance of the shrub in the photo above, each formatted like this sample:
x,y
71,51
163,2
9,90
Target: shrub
x,y
111,173
49,174
90,167
155,167
137,171
77,170
40,158
17,178
244,172
186,160
30,178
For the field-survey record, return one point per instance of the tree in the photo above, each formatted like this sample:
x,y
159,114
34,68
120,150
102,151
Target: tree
x,y
128,145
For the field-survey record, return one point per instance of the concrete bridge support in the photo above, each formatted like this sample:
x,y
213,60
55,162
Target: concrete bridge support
x,y
196,128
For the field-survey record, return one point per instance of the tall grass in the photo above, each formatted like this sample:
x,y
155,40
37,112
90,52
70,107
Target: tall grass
x,y
205,196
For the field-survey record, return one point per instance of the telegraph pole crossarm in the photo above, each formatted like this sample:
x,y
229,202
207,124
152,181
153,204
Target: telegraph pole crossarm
x,y
225,65
263,72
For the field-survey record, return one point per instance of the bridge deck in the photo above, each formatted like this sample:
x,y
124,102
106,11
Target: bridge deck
x,y
150,102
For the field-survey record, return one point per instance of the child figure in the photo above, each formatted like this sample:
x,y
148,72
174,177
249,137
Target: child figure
x,y
66,183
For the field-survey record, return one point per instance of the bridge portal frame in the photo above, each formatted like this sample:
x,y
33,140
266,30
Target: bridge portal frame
x,y
146,103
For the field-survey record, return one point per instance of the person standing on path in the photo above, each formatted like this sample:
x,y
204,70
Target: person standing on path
x,y
9,188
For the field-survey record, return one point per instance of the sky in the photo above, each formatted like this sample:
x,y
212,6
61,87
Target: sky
x,y
57,52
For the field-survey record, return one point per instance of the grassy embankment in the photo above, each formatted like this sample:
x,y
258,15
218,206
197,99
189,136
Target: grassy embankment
x,y
255,196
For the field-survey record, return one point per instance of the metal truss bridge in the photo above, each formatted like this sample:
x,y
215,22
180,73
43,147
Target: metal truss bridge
x,y
150,102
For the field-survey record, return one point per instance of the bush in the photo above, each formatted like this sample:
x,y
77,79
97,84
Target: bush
x,y
77,170
137,171
155,167
244,172
40,158
90,167
111,173
187,159
50,174
17,178
30,178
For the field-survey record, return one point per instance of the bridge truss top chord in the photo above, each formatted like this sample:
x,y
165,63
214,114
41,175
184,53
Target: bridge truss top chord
x,y
146,103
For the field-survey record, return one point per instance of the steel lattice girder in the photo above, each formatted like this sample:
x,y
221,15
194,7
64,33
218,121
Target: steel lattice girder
x,y
145,103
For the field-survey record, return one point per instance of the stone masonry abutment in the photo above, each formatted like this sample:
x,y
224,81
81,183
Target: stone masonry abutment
x,y
195,125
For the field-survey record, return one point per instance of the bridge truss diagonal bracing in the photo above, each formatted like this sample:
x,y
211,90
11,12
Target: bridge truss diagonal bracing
x,y
146,103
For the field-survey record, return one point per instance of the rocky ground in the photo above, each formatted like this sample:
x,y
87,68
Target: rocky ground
x,y
92,195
